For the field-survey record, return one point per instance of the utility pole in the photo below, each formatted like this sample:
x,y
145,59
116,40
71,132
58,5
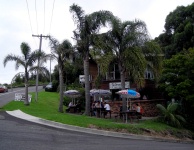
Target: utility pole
x,y
37,72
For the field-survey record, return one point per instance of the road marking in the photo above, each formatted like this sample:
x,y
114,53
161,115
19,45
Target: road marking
x,y
11,92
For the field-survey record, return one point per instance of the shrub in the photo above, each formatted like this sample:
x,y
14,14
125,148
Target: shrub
x,y
169,115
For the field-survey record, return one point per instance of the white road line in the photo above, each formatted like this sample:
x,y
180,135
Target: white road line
x,y
10,92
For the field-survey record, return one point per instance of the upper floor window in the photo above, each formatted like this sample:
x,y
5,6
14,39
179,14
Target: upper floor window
x,y
113,73
149,74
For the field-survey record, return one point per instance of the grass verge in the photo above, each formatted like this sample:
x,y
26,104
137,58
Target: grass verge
x,y
47,107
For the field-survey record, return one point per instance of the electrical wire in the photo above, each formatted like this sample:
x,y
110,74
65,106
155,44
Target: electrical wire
x,y
30,20
44,18
52,16
29,16
36,17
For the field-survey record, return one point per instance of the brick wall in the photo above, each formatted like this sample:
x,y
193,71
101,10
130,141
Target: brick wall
x,y
149,106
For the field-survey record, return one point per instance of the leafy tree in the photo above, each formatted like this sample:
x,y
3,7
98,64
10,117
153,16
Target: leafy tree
x,y
27,60
60,52
169,115
127,43
18,79
178,79
71,72
87,27
179,31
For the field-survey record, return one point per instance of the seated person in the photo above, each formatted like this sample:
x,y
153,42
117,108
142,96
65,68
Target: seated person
x,y
70,104
78,107
134,107
97,104
138,108
139,112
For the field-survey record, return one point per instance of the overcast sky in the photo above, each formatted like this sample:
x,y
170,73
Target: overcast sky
x,y
54,18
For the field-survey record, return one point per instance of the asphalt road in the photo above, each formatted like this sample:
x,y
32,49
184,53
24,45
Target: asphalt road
x,y
18,134
10,95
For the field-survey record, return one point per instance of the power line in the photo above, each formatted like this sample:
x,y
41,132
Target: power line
x,y
36,17
29,16
44,18
30,20
52,16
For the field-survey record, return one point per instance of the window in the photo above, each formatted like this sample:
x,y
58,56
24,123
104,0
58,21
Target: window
x,y
113,73
149,74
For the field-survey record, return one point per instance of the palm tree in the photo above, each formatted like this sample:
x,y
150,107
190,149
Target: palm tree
x,y
60,52
169,115
124,40
87,27
40,68
27,60
154,56
127,43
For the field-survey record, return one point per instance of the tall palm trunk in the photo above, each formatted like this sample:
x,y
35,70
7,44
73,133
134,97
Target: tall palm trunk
x,y
26,102
122,74
61,89
87,84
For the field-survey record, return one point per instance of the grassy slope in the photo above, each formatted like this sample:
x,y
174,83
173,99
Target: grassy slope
x,y
47,108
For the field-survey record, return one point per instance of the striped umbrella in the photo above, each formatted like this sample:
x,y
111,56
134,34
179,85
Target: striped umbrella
x,y
129,94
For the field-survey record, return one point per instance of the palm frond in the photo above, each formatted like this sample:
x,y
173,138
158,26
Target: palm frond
x,y
53,44
179,117
171,118
161,108
25,49
172,107
169,115
78,15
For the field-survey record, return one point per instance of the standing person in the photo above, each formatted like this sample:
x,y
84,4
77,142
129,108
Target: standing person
x,y
107,109
93,109
97,108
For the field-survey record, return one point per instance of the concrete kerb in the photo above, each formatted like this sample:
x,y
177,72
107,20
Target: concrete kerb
x,y
22,115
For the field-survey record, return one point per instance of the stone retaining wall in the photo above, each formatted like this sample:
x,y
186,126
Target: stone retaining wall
x,y
149,106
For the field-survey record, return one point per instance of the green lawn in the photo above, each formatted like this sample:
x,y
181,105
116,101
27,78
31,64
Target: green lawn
x,y
47,108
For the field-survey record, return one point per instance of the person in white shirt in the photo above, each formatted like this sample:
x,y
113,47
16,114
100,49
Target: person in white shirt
x,y
68,109
107,109
138,109
106,106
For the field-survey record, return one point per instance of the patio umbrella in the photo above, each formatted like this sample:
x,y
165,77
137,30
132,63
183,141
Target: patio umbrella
x,y
72,94
100,92
129,94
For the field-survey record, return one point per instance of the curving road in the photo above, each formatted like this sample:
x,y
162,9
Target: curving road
x,y
20,134
10,95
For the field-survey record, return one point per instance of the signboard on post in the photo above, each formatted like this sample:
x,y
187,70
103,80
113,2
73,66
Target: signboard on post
x,y
82,78
117,85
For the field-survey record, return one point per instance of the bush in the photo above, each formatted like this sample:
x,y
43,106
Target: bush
x,y
169,115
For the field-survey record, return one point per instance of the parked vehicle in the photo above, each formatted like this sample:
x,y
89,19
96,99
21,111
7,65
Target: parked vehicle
x,y
3,89
49,87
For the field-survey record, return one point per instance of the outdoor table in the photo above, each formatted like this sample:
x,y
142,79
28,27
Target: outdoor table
x,y
99,112
72,109
129,114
